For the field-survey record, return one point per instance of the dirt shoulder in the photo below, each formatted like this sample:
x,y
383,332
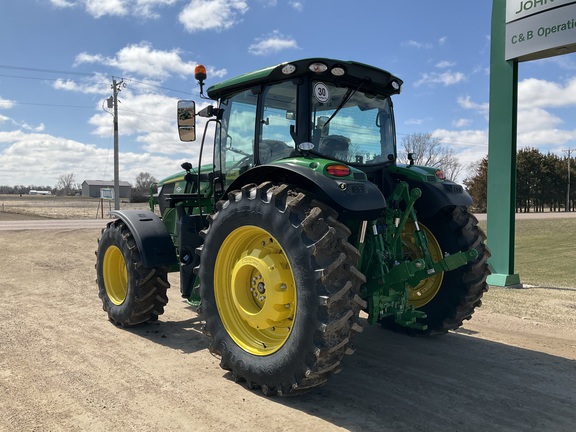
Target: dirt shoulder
x,y
64,367
7,216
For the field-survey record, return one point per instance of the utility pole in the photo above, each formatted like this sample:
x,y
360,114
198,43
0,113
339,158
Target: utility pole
x,y
116,89
567,207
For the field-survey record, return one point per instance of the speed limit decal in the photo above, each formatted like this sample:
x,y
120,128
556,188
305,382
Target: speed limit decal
x,y
321,92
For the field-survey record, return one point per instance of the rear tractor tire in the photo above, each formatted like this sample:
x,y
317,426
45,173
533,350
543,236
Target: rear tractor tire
x,y
279,288
448,298
131,294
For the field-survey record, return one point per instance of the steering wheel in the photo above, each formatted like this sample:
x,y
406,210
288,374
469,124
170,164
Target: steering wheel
x,y
240,162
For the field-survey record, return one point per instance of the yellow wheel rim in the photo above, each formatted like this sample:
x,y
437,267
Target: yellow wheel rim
x,y
254,290
427,289
115,275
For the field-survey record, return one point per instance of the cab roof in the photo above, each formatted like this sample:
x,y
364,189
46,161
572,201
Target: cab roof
x,y
349,72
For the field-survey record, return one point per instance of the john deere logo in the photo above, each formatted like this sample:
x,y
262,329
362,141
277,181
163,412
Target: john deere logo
x,y
528,5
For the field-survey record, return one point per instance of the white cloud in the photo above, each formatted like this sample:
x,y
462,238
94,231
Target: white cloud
x,y
98,85
537,125
200,15
142,59
416,122
140,114
536,119
271,44
461,123
147,8
6,103
470,145
445,64
466,103
419,45
62,3
297,5
424,45
84,57
39,128
534,92
54,156
554,137
100,8
447,78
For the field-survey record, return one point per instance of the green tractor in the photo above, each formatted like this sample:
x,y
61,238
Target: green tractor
x,y
298,221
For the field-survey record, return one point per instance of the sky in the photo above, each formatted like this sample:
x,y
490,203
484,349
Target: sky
x,y
58,59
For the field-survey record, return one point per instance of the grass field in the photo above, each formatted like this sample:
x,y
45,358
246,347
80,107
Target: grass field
x,y
545,251
58,207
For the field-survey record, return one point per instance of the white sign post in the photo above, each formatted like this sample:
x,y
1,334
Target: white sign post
x,y
537,29
105,194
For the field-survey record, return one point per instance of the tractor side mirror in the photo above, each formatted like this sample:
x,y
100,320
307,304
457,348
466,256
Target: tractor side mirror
x,y
186,113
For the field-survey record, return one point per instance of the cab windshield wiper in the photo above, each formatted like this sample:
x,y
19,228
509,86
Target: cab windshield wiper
x,y
345,99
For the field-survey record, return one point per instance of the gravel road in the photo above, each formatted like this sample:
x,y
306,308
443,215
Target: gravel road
x,y
65,367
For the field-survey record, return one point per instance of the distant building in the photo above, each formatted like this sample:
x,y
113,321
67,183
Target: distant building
x,y
91,188
39,192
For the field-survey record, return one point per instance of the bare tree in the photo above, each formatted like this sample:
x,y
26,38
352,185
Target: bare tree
x,y
428,151
66,183
143,182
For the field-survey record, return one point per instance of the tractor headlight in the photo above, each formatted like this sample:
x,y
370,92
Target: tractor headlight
x,y
288,69
338,70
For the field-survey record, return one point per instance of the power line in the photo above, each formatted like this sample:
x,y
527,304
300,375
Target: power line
x,y
56,71
30,78
30,69
7,102
148,123
158,86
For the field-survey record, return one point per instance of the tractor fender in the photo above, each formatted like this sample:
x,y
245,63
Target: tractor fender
x,y
436,196
352,199
152,238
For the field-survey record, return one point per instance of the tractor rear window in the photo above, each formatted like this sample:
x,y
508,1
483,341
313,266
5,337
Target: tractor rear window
x,y
352,126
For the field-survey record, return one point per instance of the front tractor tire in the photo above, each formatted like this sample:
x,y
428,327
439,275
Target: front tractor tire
x,y
279,288
449,298
131,294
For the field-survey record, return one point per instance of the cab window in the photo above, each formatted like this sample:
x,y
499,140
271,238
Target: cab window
x,y
351,125
277,119
236,135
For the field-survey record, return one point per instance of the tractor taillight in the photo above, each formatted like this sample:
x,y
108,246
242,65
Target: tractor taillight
x,y
338,170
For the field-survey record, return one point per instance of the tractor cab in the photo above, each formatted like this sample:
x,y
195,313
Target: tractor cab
x,y
324,108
